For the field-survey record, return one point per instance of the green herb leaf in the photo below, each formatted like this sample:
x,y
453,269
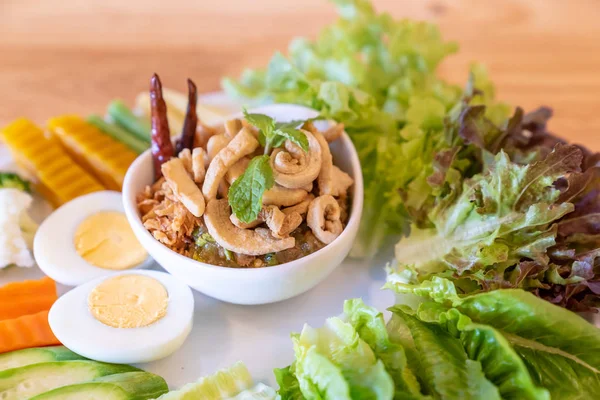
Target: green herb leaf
x,y
278,141
273,134
295,136
294,124
265,125
228,254
246,193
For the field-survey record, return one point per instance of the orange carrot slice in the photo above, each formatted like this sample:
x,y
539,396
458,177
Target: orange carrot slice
x,y
27,297
25,332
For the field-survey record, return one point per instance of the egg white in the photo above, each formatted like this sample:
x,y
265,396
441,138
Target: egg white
x,y
76,328
54,247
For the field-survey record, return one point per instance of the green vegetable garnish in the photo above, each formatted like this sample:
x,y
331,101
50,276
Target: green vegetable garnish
x,y
271,259
377,76
14,181
519,339
272,134
121,134
123,116
246,193
494,220
203,239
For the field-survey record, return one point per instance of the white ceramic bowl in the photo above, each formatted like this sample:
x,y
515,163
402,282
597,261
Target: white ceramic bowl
x,y
253,285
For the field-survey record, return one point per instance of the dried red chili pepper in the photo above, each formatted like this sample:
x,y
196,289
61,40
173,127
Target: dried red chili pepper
x,y
186,141
162,148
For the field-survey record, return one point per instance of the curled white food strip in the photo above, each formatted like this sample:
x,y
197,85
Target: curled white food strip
x,y
281,224
183,187
324,180
334,133
186,158
237,169
198,166
223,190
293,168
245,225
232,127
244,241
215,145
241,145
203,134
283,197
323,218
300,208
341,182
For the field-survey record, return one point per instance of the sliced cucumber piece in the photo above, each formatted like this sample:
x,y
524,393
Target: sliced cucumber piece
x,y
21,358
122,135
123,116
126,386
31,380
223,384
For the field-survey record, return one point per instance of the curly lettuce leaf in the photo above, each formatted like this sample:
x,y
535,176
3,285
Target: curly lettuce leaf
x,y
318,377
377,76
289,387
572,278
495,219
335,359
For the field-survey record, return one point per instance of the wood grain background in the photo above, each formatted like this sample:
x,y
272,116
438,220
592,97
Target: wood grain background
x,y
76,55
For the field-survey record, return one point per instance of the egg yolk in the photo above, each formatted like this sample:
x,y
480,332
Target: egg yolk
x,y
128,301
106,240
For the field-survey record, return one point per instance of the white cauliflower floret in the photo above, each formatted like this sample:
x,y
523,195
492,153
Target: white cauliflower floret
x,y
16,229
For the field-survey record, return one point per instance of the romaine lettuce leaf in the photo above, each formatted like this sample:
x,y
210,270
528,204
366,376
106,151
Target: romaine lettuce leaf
x,y
447,371
556,345
500,363
370,326
289,387
563,377
318,377
338,345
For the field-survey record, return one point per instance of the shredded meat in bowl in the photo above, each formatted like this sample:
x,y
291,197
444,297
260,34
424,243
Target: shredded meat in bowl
x,y
166,218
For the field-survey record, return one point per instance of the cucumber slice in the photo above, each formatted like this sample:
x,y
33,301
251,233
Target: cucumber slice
x,y
31,380
223,384
123,116
21,358
125,386
122,135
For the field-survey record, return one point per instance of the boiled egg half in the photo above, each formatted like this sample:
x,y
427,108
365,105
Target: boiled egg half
x,y
87,238
126,318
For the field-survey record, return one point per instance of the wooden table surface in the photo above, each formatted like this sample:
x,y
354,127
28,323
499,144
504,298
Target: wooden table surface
x,y
73,56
